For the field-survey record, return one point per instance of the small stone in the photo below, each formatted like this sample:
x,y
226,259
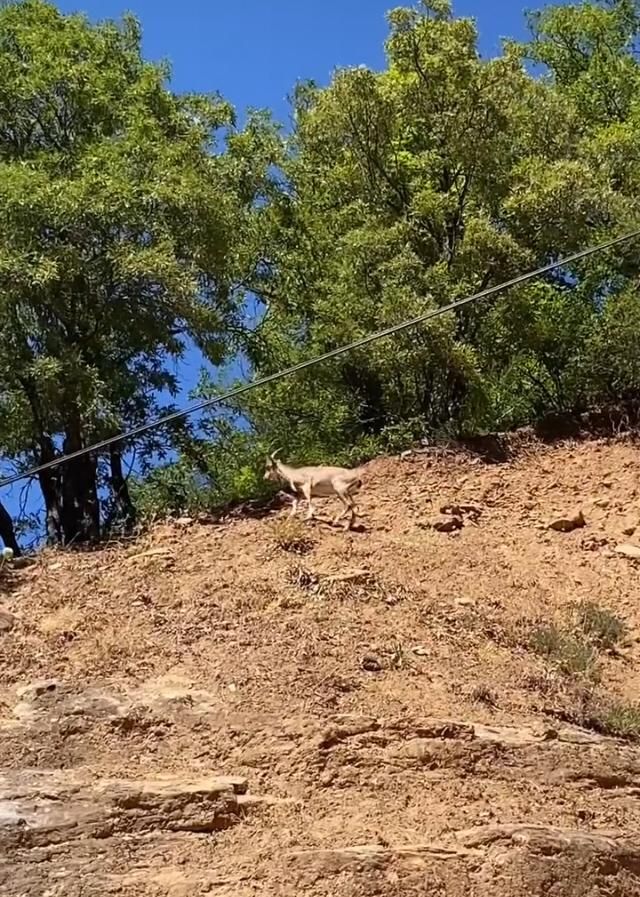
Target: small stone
x,y
327,779
594,543
184,521
7,620
457,510
628,550
371,664
568,524
40,687
21,563
453,510
603,503
445,524
629,529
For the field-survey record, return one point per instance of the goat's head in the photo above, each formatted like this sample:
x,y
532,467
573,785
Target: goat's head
x,y
271,471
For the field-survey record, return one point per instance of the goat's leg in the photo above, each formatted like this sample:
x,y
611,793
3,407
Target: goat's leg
x,y
352,517
294,506
306,491
343,512
354,505
349,503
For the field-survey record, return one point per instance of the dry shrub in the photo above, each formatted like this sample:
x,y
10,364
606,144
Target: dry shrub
x,y
573,648
619,720
361,586
483,694
302,578
290,534
573,673
585,705
600,626
570,654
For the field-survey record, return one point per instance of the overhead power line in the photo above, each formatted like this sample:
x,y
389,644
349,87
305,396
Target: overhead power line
x,y
311,362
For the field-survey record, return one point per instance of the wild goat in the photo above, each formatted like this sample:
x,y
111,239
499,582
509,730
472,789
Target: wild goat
x,y
317,482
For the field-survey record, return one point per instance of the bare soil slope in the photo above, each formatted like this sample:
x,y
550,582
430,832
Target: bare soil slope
x,y
253,709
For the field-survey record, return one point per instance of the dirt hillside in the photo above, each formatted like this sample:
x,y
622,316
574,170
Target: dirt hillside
x,y
258,708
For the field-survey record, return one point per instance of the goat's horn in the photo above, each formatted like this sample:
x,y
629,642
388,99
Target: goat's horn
x,y
273,454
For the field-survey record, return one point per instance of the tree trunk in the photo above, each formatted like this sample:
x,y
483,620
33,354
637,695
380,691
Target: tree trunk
x,y
124,512
80,505
7,533
50,486
70,491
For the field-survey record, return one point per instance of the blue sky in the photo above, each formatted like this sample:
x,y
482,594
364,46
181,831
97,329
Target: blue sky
x,y
254,51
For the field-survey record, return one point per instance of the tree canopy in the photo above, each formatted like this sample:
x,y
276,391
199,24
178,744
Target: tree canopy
x,y
123,234
135,222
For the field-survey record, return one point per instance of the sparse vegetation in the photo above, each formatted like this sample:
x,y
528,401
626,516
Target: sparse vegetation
x,y
483,694
574,648
291,534
620,720
585,705
573,651
399,659
599,625
302,577
572,655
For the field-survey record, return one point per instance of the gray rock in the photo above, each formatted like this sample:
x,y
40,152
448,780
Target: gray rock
x,y
569,523
629,551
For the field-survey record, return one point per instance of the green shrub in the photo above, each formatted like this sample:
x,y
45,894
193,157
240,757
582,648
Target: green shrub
x,y
573,656
599,625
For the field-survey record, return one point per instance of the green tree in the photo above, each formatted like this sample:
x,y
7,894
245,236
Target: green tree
x,y
443,174
125,233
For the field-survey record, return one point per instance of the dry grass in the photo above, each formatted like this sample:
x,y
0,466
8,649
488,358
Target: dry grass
x,y
62,622
574,676
567,652
483,694
292,535
620,720
589,707
599,625
574,647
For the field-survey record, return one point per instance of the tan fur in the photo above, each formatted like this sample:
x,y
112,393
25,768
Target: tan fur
x,y
317,482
